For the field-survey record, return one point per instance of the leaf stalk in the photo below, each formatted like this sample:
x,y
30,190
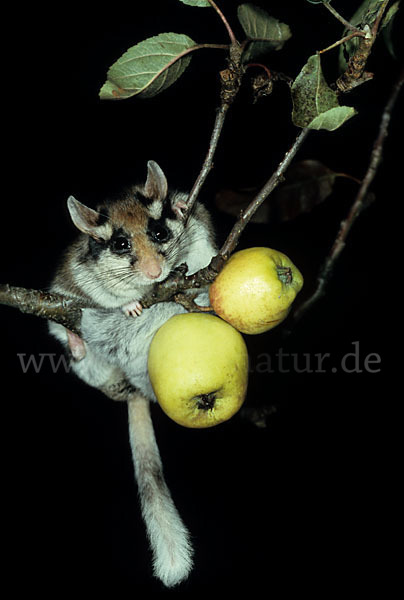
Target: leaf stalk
x,y
225,22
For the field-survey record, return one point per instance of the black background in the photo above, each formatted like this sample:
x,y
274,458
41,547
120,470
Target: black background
x,y
296,505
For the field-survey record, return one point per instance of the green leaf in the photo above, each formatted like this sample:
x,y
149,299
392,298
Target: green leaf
x,y
333,118
259,25
148,68
315,104
255,49
311,95
390,14
264,32
366,13
387,27
200,3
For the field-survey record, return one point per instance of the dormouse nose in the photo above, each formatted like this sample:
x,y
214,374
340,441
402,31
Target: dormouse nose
x,y
150,267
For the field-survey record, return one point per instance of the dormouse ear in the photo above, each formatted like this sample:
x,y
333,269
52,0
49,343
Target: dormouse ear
x,y
85,219
156,183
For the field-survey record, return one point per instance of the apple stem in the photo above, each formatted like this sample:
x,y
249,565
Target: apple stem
x,y
206,401
284,274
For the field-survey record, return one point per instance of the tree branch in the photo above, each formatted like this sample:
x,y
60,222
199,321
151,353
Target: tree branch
x,y
355,74
230,82
262,195
208,163
68,312
47,305
341,41
358,205
341,19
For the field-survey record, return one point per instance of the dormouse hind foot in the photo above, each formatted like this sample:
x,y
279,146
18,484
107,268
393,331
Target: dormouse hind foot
x,y
76,345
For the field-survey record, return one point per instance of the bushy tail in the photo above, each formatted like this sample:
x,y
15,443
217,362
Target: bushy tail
x,y
169,538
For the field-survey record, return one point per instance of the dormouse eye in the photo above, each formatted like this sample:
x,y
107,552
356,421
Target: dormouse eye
x,y
159,233
120,245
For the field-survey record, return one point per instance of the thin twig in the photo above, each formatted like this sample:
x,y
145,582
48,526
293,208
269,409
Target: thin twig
x,y
341,19
379,17
208,163
357,206
225,22
233,238
342,41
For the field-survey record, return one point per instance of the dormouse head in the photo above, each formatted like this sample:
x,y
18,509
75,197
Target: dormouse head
x,y
139,232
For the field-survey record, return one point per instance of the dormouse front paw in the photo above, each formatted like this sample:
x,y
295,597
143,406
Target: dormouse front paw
x,y
132,309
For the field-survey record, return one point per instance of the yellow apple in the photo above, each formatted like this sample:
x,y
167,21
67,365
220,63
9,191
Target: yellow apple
x,y
255,289
198,368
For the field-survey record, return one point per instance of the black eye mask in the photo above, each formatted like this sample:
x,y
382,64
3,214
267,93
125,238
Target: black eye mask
x,y
120,242
120,245
158,231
